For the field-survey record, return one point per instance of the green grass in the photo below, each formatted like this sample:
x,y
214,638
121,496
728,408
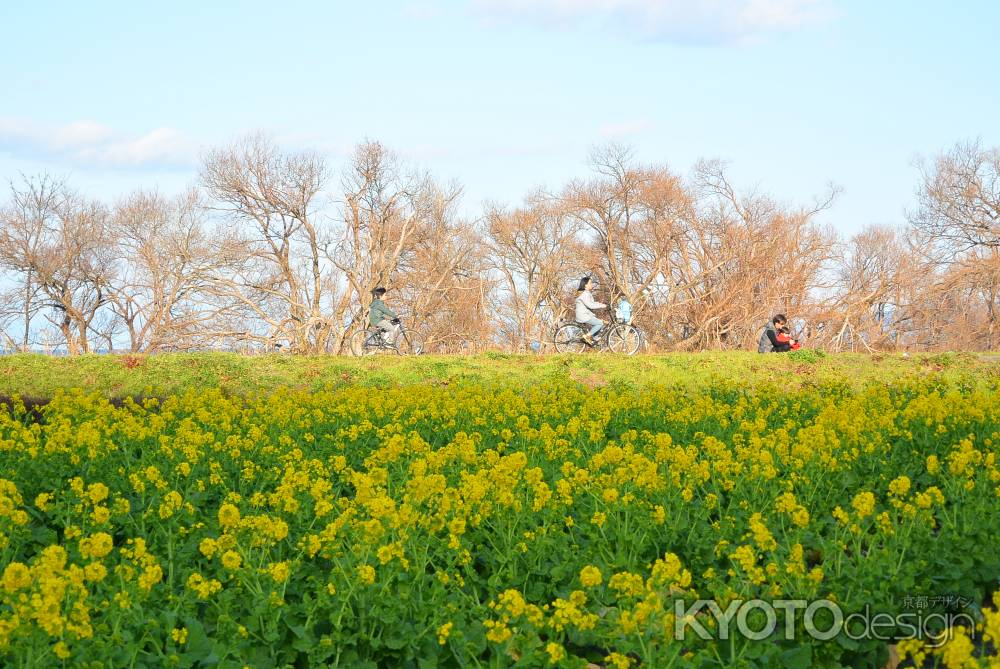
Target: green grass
x,y
39,376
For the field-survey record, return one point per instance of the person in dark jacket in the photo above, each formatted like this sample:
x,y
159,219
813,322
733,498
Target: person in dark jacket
x,y
769,341
382,317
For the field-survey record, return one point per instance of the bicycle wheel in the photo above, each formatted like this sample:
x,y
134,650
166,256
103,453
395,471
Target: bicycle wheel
x,y
409,344
361,343
569,339
624,339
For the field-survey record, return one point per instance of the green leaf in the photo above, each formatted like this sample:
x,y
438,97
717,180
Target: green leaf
x,y
797,658
198,643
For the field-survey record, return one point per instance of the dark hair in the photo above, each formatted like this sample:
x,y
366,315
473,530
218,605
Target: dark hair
x,y
379,292
583,284
779,318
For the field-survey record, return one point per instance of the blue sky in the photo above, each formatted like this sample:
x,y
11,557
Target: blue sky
x,y
505,95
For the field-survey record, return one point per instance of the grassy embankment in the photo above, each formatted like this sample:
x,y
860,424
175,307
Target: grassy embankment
x,y
38,377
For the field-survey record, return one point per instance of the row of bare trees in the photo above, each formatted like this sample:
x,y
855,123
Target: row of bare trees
x,y
276,248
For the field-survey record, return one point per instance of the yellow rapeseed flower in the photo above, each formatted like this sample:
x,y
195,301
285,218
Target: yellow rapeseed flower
x,y
590,576
42,501
208,547
97,545
61,650
366,573
231,560
900,486
97,492
444,632
863,504
16,576
229,516
555,651
279,571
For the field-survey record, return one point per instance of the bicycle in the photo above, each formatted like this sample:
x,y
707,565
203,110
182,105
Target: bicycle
x,y
616,336
372,340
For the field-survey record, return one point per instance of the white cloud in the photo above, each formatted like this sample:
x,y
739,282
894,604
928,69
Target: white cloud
x,y
160,146
671,20
91,143
79,134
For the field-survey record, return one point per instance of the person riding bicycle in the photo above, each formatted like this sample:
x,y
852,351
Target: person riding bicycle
x,y
585,304
383,318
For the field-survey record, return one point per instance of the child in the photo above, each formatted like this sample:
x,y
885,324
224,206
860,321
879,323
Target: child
x,y
784,336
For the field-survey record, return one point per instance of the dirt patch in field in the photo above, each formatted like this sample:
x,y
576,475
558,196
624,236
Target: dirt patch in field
x,y
34,405
591,380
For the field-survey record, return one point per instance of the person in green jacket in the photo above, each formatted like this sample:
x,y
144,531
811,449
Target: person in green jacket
x,y
383,318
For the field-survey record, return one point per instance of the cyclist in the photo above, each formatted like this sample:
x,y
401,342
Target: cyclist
x,y
585,304
382,317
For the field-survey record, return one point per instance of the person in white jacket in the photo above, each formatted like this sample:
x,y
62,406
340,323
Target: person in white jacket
x,y
585,304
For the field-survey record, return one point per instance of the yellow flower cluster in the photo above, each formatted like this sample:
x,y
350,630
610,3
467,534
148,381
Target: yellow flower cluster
x,y
963,647
50,595
590,576
203,587
555,524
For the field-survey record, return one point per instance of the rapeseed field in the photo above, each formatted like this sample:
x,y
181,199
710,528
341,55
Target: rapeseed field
x,y
484,524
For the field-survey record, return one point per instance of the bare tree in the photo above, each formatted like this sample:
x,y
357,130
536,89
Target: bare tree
x,y
533,249
266,254
61,246
631,211
442,278
958,224
75,273
31,213
873,275
959,200
738,259
166,259
12,303
275,247
385,206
